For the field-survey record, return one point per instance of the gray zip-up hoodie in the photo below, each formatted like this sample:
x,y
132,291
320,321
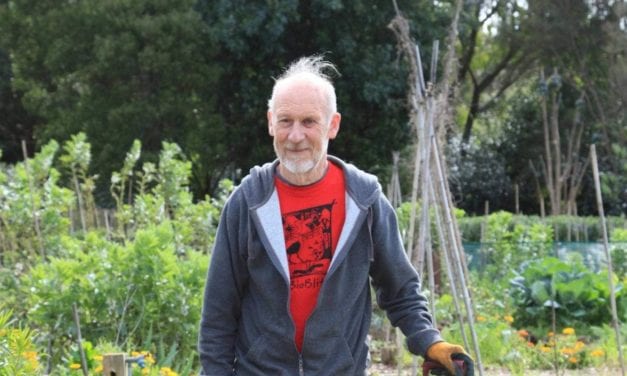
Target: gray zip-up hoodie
x,y
246,327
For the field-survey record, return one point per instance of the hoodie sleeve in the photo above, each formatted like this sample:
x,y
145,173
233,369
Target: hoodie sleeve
x,y
396,282
226,281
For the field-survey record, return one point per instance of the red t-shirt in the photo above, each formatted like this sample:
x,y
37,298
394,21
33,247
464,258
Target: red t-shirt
x,y
313,217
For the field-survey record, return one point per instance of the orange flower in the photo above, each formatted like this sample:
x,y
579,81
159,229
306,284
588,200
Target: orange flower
x,y
480,318
597,353
545,349
568,351
523,333
573,360
509,318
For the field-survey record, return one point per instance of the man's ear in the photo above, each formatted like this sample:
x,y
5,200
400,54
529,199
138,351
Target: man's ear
x,y
270,127
334,125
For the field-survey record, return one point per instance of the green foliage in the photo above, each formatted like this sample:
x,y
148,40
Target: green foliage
x,y
139,293
582,229
498,341
136,282
618,240
117,71
507,244
17,351
33,207
580,297
353,34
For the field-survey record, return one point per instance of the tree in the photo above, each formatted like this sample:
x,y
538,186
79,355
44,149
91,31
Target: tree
x,y
494,55
371,86
118,71
16,124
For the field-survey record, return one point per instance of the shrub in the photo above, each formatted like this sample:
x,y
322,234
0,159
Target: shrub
x,y
139,294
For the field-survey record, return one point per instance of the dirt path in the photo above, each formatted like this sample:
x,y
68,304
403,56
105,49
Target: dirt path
x,y
383,370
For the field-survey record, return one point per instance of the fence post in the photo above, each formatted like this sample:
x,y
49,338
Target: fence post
x,y
114,364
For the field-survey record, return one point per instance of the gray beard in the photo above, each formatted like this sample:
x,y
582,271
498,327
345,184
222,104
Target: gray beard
x,y
301,166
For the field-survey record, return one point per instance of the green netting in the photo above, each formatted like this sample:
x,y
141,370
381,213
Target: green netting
x,y
591,253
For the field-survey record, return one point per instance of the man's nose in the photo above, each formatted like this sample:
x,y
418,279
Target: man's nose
x,y
297,133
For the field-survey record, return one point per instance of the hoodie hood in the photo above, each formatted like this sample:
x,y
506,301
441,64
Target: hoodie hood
x,y
258,186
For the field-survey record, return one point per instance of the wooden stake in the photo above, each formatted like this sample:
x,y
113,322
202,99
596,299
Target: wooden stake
x,y
608,255
448,267
114,364
516,199
457,254
31,188
79,338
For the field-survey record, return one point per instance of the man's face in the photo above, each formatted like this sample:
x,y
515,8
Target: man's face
x,y
301,124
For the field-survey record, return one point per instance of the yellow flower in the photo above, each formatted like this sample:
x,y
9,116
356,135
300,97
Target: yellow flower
x,y
31,358
551,334
98,358
98,369
568,331
480,318
573,360
149,358
166,371
545,349
579,345
509,318
75,366
597,353
145,371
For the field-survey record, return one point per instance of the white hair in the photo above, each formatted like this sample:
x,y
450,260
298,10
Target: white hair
x,y
313,67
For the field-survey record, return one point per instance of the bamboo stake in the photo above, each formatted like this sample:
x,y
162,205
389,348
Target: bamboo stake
x,y
516,198
449,267
79,198
81,351
31,188
610,272
456,259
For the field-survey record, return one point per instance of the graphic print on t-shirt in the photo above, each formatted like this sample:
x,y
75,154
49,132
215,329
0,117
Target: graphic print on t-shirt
x,y
309,244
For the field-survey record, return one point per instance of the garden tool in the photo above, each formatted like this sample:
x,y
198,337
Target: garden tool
x,y
464,366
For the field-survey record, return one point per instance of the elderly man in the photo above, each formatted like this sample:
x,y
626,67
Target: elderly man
x,y
299,244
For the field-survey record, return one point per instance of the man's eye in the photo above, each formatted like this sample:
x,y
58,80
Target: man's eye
x,y
309,122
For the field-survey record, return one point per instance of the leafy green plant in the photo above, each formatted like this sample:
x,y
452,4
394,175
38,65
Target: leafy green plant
x,y
619,251
138,294
33,208
581,298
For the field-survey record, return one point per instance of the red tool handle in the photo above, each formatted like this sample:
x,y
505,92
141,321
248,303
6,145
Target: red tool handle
x,y
429,367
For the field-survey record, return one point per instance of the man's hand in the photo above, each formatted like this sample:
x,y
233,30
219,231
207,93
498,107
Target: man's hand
x,y
441,352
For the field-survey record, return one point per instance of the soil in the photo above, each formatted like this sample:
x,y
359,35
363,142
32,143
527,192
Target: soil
x,y
379,369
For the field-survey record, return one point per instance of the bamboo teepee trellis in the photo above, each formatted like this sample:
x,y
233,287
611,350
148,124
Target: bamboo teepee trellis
x,y
429,166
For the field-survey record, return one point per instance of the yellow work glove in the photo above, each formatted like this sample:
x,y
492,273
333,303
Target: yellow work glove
x,y
442,352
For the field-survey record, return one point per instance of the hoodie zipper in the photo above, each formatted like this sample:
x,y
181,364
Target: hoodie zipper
x,y
301,368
